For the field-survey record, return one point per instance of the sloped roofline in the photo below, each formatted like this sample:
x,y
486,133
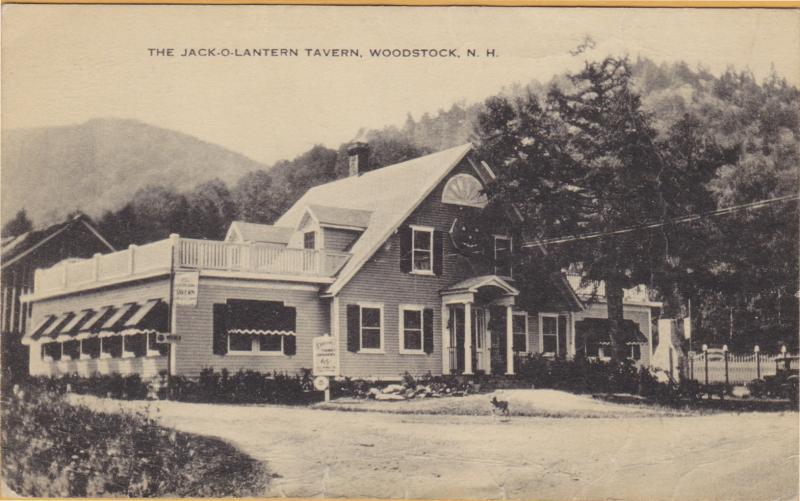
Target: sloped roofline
x,y
337,286
80,218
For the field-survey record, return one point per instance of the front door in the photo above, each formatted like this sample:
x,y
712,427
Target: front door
x,y
498,336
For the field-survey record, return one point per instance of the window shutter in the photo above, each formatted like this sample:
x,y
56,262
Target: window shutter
x,y
353,327
562,335
405,248
438,252
289,345
427,330
220,340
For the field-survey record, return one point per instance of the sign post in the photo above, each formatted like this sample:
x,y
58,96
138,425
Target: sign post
x,y
326,363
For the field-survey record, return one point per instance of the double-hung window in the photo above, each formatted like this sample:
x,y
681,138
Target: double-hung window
x,y
502,255
553,329
519,327
411,329
371,327
421,250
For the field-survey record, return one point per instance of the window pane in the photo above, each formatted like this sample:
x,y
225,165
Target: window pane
x,y
518,324
422,260
412,319
370,317
371,338
270,343
308,240
241,342
636,351
422,240
520,342
549,343
549,325
412,340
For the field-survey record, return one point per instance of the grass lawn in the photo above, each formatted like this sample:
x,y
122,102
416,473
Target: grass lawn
x,y
521,402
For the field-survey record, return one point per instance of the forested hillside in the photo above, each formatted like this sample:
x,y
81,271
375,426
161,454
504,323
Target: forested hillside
x,y
742,278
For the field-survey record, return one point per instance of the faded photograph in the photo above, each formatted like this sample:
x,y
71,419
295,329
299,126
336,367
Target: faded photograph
x,y
400,252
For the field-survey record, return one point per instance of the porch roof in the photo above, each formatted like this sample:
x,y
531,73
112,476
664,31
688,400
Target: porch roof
x,y
474,283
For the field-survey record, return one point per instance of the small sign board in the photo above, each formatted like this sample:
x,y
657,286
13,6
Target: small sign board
x,y
326,356
167,338
185,288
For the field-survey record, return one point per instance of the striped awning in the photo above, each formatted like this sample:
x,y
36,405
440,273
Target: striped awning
x,y
53,330
37,330
150,316
71,329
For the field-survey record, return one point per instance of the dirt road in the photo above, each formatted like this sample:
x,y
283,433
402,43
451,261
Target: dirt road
x,y
359,454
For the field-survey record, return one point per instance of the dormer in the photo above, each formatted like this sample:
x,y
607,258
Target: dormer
x,y
240,232
331,228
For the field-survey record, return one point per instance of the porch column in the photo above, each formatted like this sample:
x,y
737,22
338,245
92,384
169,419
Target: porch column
x,y
445,340
467,338
509,341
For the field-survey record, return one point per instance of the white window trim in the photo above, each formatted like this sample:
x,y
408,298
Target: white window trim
x,y
427,229
316,239
402,332
541,333
361,307
510,251
255,349
527,330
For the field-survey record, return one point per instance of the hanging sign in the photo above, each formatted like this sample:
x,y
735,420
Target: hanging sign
x,y
326,356
185,288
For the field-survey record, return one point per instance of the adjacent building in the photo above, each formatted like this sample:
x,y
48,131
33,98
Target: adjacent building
x,y
404,266
21,256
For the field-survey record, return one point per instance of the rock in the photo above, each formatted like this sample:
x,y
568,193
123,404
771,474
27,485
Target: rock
x,y
740,391
373,393
394,388
389,396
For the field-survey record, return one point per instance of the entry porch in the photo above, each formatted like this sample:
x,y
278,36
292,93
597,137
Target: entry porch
x,y
478,326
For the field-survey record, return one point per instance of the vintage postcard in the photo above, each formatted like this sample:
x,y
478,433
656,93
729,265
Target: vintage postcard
x,y
400,252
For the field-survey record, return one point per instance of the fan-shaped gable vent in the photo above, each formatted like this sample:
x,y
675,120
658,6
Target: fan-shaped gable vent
x,y
463,189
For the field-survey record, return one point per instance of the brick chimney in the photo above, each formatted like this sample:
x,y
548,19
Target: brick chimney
x,y
358,157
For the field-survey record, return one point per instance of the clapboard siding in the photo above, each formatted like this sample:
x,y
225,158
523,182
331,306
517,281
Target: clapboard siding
x,y
338,239
129,293
194,352
381,281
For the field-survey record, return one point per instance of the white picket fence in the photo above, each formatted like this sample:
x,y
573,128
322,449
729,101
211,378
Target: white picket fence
x,y
741,368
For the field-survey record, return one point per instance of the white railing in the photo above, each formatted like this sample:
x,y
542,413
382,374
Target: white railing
x,y
258,258
188,253
741,369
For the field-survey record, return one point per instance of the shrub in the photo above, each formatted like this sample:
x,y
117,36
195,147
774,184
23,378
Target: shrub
x,y
54,449
580,375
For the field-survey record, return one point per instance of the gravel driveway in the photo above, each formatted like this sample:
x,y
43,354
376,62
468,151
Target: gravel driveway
x,y
363,454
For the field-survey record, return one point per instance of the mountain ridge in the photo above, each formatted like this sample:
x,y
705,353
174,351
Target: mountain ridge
x,y
97,165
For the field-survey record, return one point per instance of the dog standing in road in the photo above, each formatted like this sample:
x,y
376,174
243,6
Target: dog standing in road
x,y
499,406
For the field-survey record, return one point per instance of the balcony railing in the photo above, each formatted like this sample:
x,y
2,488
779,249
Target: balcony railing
x,y
187,253
638,293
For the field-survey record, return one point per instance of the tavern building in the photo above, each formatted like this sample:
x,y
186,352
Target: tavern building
x,y
391,263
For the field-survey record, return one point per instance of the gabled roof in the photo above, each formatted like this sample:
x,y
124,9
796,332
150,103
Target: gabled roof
x,y
17,248
264,233
391,194
338,216
472,284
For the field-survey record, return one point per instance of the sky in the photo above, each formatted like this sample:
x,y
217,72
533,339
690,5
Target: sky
x,y
64,65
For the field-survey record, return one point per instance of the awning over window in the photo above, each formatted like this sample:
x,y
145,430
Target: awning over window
x,y
128,319
150,316
260,318
596,329
54,328
71,329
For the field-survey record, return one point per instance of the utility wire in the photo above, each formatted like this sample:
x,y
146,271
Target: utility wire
x,y
678,220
